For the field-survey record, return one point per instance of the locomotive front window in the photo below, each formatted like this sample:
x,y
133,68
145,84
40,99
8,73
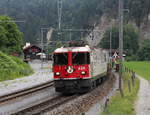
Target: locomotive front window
x,y
80,58
61,59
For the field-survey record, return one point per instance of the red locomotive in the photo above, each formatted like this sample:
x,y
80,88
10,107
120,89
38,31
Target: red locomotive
x,y
77,69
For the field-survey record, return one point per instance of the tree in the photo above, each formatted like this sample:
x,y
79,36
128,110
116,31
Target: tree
x,y
144,51
10,36
130,39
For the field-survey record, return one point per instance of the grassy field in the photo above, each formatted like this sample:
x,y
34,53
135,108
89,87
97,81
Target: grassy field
x,y
141,68
125,105
12,67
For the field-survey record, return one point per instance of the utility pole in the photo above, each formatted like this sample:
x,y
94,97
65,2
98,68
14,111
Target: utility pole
x,y
121,11
6,7
59,17
110,55
82,36
70,37
42,47
42,44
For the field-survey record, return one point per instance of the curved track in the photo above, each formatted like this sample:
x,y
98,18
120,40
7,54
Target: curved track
x,y
20,93
47,105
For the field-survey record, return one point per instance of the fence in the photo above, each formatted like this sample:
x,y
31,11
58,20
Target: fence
x,y
131,80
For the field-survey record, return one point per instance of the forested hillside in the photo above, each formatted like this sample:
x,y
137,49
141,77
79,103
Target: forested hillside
x,y
76,13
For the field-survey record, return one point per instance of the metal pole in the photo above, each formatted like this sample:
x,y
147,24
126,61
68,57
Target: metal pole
x,y
110,44
70,36
7,7
81,35
42,46
59,5
59,13
120,44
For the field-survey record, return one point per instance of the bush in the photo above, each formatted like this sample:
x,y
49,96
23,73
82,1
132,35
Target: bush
x,y
10,36
131,58
144,51
12,67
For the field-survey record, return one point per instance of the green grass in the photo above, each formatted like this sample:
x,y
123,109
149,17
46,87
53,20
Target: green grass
x,y
125,105
12,67
141,68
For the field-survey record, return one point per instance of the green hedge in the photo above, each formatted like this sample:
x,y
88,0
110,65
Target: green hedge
x,y
12,67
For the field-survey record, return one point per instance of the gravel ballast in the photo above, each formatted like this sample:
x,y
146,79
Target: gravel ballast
x,y
83,103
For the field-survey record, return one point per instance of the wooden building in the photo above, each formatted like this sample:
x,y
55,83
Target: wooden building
x,y
31,51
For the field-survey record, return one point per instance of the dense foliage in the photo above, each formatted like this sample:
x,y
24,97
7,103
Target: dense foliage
x,y
12,67
10,36
138,10
130,39
76,13
144,51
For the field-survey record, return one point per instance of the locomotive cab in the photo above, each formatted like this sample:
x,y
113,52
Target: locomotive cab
x,y
71,69
78,69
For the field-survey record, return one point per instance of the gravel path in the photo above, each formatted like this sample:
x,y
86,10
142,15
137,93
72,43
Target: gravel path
x,y
99,106
40,76
143,103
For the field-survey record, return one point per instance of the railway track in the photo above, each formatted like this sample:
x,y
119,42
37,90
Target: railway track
x,y
20,93
38,107
46,105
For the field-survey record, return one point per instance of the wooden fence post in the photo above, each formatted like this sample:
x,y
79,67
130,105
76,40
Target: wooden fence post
x,y
134,75
132,78
129,85
128,70
106,106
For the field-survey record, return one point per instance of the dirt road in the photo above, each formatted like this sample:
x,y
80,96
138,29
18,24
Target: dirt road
x,y
142,105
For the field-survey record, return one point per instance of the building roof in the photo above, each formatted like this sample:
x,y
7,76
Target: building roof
x,y
30,46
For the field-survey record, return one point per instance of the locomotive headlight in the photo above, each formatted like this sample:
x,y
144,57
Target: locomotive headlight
x,y
83,73
57,73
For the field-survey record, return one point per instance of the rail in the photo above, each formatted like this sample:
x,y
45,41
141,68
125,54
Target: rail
x,y
25,91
